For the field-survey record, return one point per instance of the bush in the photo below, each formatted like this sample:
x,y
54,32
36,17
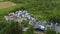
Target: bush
x,y
58,33
30,30
25,23
50,32
11,28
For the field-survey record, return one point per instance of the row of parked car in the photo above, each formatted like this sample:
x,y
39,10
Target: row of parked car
x,y
21,14
41,25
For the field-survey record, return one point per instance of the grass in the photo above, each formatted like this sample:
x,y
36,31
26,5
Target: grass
x,y
6,11
42,10
1,0
6,4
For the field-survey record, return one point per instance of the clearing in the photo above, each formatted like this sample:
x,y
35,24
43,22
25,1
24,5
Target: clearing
x,y
6,4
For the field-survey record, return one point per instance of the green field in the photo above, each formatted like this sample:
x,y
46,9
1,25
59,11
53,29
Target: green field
x,y
40,9
48,10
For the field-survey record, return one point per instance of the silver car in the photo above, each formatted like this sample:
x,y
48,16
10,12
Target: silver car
x,y
40,26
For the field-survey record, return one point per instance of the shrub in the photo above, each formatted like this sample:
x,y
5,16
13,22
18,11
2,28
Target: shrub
x,y
30,30
50,32
25,23
58,33
11,28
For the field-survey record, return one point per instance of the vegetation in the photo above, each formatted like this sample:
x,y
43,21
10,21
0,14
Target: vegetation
x,y
30,30
58,33
48,10
50,32
6,4
25,23
11,28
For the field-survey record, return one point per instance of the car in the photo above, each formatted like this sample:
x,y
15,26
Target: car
x,y
40,26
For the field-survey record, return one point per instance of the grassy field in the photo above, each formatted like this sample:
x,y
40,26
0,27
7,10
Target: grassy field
x,y
47,10
6,4
42,10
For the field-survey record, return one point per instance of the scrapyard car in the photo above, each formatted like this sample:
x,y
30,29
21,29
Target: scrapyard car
x,y
40,26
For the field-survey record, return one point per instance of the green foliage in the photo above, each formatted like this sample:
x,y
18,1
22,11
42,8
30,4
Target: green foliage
x,y
54,18
47,10
25,23
8,10
11,28
58,33
5,11
30,30
50,32
3,26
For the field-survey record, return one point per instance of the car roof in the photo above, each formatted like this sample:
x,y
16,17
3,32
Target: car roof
x,y
41,23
